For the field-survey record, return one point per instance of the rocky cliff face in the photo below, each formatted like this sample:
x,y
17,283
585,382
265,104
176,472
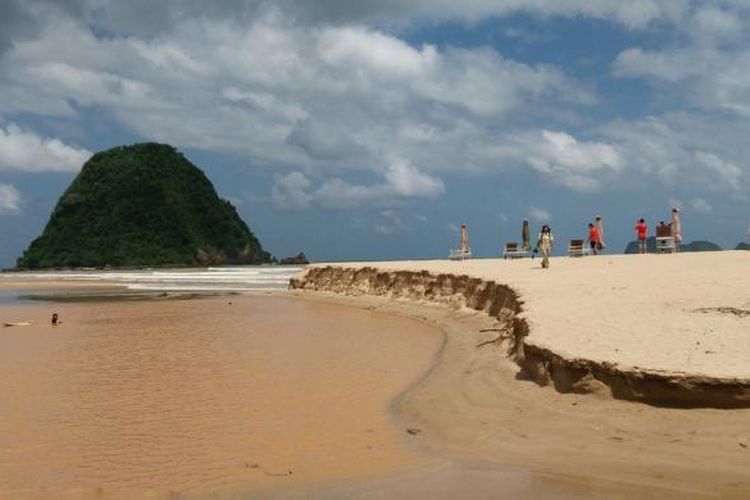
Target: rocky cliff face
x,y
142,205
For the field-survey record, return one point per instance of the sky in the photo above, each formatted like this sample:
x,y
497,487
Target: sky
x,y
373,130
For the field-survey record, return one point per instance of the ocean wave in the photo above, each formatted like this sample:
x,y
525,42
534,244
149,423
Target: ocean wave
x,y
237,278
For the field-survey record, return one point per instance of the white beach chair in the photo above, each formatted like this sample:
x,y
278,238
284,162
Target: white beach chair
x,y
513,251
665,244
458,254
577,248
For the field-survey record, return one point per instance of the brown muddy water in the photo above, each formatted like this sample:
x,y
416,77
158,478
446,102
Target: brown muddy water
x,y
202,397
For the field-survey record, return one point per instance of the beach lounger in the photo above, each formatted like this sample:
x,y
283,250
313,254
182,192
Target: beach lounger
x,y
577,248
458,254
513,251
665,244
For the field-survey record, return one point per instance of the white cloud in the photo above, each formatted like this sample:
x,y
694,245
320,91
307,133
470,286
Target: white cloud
x,y
326,99
337,194
10,199
291,192
406,180
710,62
296,85
579,165
402,181
727,172
133,17
27,151
715,23
538,214
683,152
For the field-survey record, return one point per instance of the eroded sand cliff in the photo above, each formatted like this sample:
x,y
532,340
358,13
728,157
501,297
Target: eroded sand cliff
x,y
539,360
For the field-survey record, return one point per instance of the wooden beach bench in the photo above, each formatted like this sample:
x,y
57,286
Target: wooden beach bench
x,y
512,251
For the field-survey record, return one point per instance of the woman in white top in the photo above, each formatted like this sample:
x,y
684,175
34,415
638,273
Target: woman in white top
x,y
544,244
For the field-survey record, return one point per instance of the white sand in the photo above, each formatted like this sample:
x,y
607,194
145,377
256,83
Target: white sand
x,y
637,312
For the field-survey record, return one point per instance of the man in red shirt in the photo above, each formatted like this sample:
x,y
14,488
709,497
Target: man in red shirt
x,y
595,239
641,230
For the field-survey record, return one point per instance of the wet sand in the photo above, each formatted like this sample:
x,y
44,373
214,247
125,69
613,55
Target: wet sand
x,y
200,397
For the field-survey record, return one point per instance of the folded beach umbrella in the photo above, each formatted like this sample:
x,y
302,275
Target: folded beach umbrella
x,y
525,235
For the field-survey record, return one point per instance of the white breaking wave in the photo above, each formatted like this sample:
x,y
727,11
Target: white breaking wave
x,y
236,278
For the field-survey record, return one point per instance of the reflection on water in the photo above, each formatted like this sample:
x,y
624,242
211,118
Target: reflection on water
x,y
201,396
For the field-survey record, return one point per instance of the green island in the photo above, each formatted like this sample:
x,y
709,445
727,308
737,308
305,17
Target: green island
x,y
142,205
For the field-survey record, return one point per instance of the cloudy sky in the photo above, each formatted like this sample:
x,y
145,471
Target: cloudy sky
x,y
365,130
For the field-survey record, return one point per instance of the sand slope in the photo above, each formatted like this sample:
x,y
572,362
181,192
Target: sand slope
x,y
668,318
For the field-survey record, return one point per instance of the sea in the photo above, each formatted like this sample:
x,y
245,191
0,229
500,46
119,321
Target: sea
x,y
144,282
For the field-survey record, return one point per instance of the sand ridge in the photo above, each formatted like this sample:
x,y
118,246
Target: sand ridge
x,y
674,325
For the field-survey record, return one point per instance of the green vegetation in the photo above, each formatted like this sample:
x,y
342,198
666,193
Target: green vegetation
x,y
142,205
744,245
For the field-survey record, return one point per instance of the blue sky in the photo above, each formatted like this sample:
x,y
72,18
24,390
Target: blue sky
x,y
372,130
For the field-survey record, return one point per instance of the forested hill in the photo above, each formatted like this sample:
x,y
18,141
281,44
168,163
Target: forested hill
x,y
142,205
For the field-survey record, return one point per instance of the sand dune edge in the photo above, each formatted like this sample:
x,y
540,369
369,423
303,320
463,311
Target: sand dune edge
x,y
537,363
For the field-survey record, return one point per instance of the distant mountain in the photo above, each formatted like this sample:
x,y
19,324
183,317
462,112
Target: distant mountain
x,y
742,246
694,246
701,246
142,205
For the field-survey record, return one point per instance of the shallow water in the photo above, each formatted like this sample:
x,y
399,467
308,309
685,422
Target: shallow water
x,y
203,396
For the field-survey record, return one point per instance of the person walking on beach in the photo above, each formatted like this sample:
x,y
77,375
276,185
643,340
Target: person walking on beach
x,y
594,239
599,223
641,231
544,244
676,227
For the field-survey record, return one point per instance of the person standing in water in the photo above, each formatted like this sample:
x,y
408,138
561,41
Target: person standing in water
x,y
544,244
525,236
